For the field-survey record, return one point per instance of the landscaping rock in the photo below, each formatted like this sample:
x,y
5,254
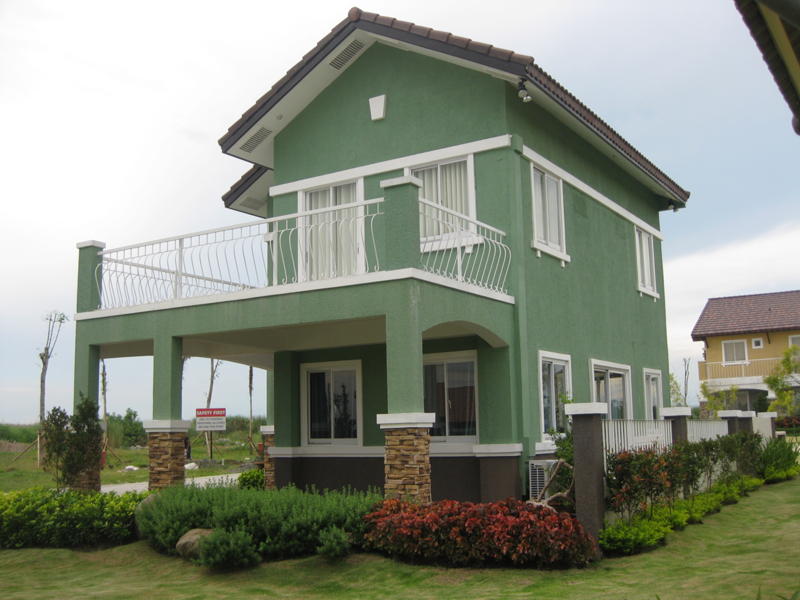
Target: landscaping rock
x,y
188,546
191,466
130,468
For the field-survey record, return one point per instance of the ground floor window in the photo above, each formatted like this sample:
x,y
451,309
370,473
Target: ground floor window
x,y
652,393
331,400
556,382
611,384
450,391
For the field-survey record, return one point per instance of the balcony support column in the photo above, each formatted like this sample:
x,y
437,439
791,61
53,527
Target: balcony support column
x,y
401,219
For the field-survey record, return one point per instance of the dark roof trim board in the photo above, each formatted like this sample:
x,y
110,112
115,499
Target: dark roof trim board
x,y
243,183
763,36
507,61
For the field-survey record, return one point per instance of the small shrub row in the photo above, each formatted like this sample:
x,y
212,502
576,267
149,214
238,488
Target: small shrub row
x,y
779,461
464,533
274,524
251,480
39,517
646,531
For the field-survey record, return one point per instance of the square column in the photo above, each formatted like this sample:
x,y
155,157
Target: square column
x,y
166,446
401,215
268,440
167,377
678,417
587,432
407,457
771,416
732,418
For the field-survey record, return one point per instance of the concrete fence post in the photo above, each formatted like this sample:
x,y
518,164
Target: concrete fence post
x,y
678,416
587,432
732,418
771,416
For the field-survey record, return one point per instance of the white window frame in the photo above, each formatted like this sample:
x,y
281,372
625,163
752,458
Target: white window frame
x,y
559,252
735,362
796,341
303,222
449,357
757,343
659,401
556,357
643,287
342,365
435,243
612,367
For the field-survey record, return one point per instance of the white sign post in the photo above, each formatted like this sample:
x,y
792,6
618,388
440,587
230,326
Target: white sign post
x,y
211,420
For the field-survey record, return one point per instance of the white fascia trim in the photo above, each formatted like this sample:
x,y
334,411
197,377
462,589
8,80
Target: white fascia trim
x,y
727,414
402,180
539,247
403,420
676,411
267,429
586,408
537,158
90,244
497,450
768,415
167,426
394,164
294,288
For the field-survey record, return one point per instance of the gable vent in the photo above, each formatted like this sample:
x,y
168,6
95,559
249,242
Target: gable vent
x,y
255,140
253,203
346,55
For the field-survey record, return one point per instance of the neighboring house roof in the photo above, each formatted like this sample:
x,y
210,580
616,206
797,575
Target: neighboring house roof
x,y
779,311
519,66
775,27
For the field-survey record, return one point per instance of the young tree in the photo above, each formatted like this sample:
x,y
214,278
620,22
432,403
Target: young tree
x,y
783,381
720,400
73,444
215,365
250,394
54,320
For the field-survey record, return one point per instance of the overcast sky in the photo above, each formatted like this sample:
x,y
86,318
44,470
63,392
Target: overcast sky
x,y
110,112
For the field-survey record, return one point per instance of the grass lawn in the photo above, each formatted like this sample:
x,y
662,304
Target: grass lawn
x,y
750,545
22,473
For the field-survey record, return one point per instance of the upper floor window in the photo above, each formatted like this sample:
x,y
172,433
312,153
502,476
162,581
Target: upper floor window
x,y
794,340
447,184
548,214
450,391
734,351
646,262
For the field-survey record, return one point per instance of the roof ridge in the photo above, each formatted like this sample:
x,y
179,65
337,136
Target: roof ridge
x,y
754,295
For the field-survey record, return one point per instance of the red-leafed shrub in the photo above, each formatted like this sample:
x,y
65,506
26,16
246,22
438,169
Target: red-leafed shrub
x,y
787,422
464,533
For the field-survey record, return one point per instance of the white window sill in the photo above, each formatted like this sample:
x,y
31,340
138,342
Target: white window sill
x,y
651,293
560,255
545,447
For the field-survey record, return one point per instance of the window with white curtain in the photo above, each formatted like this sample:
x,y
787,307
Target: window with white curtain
x,y
646,262
734,351
554,370
611,385
446,184
330,241
548,214
652,393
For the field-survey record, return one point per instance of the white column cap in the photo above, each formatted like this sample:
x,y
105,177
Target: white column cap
x,y
586,408
676,411
90,244
404,420
167,426
768,415
267,429
402,180
727,414
748,413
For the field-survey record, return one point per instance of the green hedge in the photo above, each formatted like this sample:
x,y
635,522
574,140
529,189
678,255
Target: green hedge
x,y
279,523
41,517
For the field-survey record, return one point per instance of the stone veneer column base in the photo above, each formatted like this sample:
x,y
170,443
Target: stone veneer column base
x,y
268,438
407,464
167,451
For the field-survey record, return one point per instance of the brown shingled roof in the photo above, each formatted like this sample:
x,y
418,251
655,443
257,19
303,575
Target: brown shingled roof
x,y
779,311
442,41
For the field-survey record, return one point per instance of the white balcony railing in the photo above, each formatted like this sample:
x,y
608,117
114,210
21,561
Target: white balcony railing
x,y
705,429
619,434
458,247
757,367
317,245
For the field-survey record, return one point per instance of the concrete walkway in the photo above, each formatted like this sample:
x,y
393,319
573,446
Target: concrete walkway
x,y
141,486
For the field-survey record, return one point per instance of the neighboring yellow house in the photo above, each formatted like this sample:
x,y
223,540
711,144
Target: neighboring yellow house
x,y
745,338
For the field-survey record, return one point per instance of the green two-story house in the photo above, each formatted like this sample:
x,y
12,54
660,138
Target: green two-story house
x,y
446,247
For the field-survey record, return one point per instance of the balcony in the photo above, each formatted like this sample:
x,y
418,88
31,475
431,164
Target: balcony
x,y
329,247
756,368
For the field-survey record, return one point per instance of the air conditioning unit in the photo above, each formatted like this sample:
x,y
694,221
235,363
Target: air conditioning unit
x,y
538,474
